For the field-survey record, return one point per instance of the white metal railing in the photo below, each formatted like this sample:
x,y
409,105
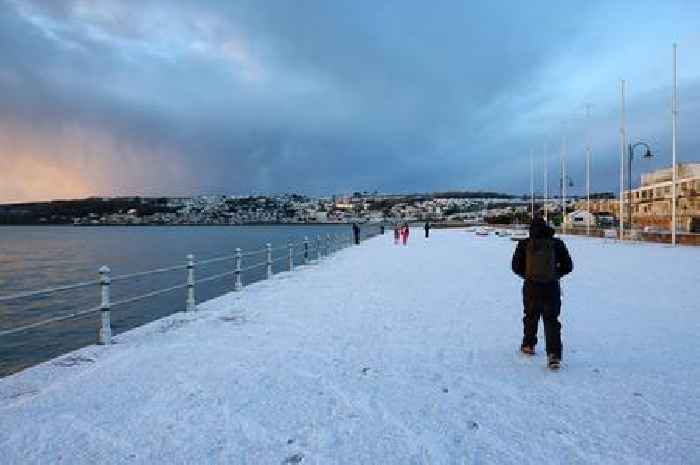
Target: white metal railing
x,y
304,251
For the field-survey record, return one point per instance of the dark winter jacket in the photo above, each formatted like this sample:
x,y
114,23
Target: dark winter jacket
x,y
540,230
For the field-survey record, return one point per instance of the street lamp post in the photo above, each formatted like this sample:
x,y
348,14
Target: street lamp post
x,y
630,157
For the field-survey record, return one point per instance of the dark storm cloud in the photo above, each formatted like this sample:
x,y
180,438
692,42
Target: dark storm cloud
x,y
217,96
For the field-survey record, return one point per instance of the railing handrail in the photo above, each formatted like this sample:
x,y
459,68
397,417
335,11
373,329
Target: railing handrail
x,y
46,291
138,274
318,244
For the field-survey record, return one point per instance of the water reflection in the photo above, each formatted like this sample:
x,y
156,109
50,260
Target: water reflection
x,y
40,257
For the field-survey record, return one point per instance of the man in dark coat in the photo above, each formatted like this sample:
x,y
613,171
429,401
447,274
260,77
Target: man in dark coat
x,y
549,261
427,229
356,232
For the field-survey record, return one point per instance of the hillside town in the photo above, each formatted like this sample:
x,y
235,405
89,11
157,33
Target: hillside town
x,y
273,209
647,207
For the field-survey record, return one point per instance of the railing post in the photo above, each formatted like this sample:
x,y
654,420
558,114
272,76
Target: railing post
x,y
105,335
306,250
237,284
328,244
190,304
291,256
318,247
269,260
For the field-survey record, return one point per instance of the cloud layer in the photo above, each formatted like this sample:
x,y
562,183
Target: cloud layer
x,y
163,97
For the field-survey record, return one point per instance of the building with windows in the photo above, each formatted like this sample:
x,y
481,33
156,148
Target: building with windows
x,y
651,202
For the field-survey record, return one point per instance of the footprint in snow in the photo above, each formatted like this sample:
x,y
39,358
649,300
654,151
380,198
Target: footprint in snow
x,y
294,459
172,325
73,360
234,319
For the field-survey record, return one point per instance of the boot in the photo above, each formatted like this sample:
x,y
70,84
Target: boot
x,y
553,362
527,350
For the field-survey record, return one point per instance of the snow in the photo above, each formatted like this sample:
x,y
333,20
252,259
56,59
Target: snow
x,y
386,354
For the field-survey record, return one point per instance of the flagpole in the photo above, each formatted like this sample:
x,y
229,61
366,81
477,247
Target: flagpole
x,y
588,170
673,150
563,182
546,190
622,160
532,187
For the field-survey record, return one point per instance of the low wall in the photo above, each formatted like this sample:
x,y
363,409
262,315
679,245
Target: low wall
x,y
664,238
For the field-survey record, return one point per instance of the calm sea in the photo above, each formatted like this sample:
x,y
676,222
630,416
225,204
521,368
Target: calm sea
x,y
34,258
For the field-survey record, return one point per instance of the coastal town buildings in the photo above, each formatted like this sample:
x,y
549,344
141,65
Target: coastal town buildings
x,y
650,205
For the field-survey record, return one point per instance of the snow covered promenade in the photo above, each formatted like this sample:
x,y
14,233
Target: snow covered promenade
x,y
384,354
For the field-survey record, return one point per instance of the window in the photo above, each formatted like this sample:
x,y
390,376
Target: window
x,y
667,189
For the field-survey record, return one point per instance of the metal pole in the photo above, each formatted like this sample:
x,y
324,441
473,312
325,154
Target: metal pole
x,y
673,149
328,244
546,189
105,334
319,252
237,283
588,171
629,186
306,250
563,182
532,188
291,255
269,260
190,305
622,160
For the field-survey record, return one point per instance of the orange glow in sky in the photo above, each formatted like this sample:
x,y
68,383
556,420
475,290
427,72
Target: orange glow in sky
x,y
77,162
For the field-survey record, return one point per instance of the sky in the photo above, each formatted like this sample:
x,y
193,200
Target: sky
x,y
189,97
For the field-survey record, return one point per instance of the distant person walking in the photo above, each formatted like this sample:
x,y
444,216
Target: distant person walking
x,y
427,229
397,233
356,232
542,260
404,233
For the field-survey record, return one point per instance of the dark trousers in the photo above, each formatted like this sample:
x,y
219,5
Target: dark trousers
x,y
357,237
542,300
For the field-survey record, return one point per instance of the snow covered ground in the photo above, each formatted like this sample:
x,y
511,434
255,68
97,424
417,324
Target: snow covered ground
x,y
385,354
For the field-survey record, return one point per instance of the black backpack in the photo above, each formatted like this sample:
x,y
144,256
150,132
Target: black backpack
x,y
540,262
